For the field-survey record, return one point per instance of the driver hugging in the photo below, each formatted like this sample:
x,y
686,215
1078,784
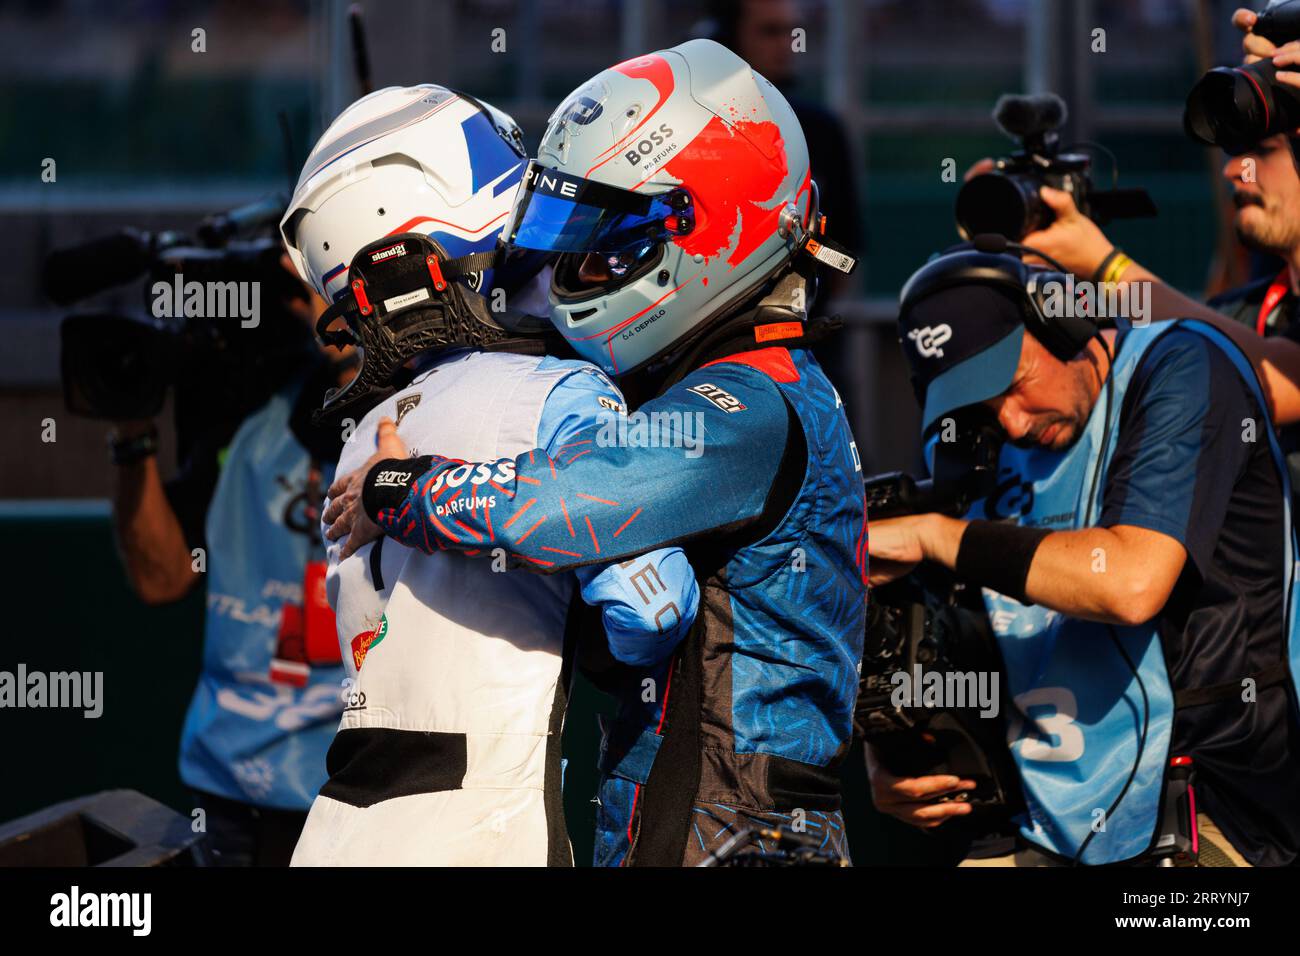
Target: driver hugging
x,y
448,749
687,269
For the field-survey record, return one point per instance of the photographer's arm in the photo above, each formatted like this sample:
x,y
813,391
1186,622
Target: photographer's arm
x,y
1078,243
1182,447
1254,46
154,550
1117,575
915,800
1081,246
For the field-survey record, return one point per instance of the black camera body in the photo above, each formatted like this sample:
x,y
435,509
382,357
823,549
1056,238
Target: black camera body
x,y
965,470
1005,201
930,622
119,366
910,633
1234,107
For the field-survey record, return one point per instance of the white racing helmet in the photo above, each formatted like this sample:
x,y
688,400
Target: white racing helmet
x,y
400,207
686,174
415,159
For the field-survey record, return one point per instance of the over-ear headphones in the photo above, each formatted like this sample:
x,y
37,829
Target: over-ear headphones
x,y
985,260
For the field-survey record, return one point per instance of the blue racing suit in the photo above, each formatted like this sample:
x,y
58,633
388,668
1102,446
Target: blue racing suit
x,y
750,717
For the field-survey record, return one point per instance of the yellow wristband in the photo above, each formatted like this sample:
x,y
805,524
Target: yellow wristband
x,y
1117,268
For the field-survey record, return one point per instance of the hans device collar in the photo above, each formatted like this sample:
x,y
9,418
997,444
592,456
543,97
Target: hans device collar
x,y
403,299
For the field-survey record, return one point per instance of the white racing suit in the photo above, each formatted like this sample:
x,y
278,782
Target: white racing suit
x,y
448,752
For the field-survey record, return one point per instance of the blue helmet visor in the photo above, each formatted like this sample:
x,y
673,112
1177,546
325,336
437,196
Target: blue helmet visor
x,y
556,212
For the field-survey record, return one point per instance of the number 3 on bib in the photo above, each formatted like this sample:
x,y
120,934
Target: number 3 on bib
x,y
1049,733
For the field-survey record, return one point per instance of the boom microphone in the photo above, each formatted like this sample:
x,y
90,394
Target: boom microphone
x,y
1028,116
220,228
79,271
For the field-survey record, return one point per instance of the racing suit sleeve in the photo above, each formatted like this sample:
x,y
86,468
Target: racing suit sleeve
x,y
648,603
701,459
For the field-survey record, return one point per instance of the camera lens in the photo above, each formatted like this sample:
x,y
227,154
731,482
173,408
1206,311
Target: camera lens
x,y
114,367
1228,107
994,202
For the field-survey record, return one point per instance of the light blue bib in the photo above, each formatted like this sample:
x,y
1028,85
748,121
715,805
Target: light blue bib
x,y
1076,729
248,737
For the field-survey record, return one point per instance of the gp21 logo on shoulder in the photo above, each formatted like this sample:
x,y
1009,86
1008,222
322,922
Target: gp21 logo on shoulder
x,y
724,400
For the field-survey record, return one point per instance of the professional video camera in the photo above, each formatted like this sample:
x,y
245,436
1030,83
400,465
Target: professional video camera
x,y
1006,201
964,470
1234,107
119,366
929,621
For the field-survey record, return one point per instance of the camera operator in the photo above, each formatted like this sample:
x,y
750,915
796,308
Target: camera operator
x,y
243,514
1267,220
1135,562
1266,193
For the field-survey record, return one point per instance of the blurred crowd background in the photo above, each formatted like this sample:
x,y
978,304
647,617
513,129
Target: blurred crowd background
x,y
147,132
